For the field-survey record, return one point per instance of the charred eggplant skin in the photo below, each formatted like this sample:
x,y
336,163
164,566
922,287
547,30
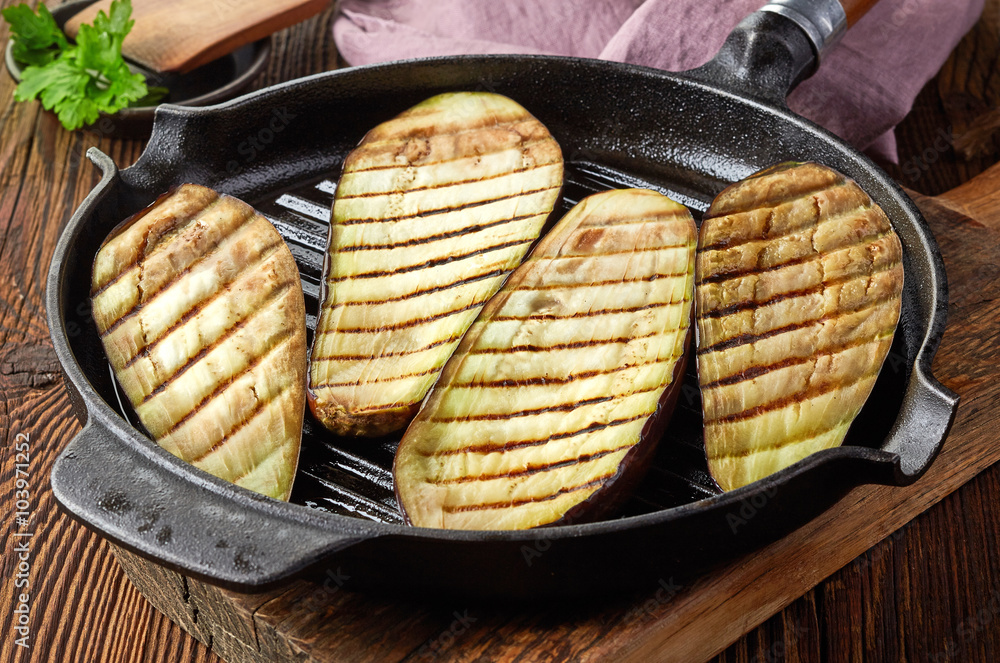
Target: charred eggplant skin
x,y
552,406
199,306
432,211
800,279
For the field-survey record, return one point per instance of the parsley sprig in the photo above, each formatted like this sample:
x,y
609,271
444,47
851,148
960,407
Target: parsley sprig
x,y
77,81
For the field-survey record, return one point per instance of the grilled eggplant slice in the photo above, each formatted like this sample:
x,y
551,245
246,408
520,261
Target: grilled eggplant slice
x,y
433,210
551,407
198,303
800,280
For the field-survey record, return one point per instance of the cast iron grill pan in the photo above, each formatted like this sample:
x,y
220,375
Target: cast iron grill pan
x,y
280,149
353,477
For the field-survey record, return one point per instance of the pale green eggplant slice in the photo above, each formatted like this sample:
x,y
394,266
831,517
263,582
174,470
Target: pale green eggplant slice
x,y
198,303
800,279
551,407
433,210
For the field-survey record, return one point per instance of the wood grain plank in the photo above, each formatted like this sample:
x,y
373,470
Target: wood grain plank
x,y
707,614
930,580
969,87
83,607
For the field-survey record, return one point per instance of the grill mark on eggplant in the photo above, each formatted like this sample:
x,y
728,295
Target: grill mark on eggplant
x,y
630,251
258,407
200,306
733,243
659,218
402,325
520,444
360,381
417,293
575,286
736,272
164,239
822,188
432,263
562,346
258,464
744,339
275,294
400,353
443,210
784,401
533,469
387,406
488,124
599,481
431,187
588,314
543,380
175,230
564,407
808,435
739,307
434,238
184,272
402,166
758,370
278,341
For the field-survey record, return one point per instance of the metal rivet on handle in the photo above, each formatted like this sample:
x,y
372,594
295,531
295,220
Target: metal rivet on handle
x,y
823,21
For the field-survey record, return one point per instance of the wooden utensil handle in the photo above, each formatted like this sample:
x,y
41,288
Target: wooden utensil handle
x,y
181,35
855,9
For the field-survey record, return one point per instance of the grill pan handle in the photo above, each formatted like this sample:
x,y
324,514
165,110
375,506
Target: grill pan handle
x,y
140,500
928,412
764,58
774,49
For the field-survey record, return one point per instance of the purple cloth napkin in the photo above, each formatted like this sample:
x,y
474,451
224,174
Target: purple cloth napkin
x,y
865,86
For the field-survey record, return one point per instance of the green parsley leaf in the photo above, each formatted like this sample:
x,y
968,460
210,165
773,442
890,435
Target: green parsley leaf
x,y
118,24
61,87
37,39
87,78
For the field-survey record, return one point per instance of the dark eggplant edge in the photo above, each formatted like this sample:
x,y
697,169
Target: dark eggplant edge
x,y
607,500
407,412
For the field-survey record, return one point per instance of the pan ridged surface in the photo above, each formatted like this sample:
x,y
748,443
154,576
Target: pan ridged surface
x,y
199,306
547,404
800,279
433,210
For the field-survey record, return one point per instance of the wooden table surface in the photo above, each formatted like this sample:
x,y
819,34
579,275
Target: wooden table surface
x,y
937,578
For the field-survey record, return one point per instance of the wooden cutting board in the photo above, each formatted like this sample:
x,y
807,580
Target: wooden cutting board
x,y
675,620
181,35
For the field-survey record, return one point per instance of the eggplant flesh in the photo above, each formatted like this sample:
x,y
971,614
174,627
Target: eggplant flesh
x,y
553,403
433,210
199,306
800,280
